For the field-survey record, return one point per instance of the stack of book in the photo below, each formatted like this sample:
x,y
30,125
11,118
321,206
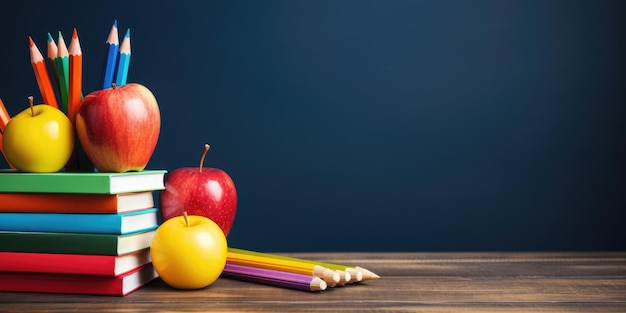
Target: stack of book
x,y
80,233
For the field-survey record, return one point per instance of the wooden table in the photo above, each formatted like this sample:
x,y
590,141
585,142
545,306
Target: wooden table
x,y
410,282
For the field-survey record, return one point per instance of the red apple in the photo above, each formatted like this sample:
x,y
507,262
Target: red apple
x,y
208,192
119,127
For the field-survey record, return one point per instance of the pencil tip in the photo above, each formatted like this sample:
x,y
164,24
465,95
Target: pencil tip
x,y
317,284
115,23
127,33
30,41
344,277
367,274
74,33
356,274
50,38
60,35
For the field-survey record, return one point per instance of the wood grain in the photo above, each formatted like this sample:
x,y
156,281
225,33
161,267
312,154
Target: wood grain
x,y
411,282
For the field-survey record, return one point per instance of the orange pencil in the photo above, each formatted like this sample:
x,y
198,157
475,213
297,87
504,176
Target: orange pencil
x,y
41,74
75,77
4,116
4,119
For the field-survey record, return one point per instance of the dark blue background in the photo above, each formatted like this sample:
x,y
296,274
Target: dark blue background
x,y
376,125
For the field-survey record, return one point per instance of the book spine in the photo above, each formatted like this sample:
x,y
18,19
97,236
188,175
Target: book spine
x,y
55,183
57,263
58,203
76,284
62,223
82,183
70,243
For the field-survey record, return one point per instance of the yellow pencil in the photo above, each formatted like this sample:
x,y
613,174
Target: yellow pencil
x,y
259,261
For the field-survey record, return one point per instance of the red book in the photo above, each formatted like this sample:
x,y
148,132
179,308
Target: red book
x,y
78,284
109,265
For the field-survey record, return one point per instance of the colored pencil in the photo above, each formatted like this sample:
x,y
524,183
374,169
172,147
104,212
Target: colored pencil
x,y
41,74
356,272
4,116
52,54
344,277
112,49
123,63
4,120
367,274
292,266
63,68
274,278
75,77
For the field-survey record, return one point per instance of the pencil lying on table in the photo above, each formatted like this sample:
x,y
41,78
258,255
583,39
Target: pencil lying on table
x,y
277,264
356,272
274,278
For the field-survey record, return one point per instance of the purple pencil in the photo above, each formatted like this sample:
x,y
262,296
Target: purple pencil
x,y
274,278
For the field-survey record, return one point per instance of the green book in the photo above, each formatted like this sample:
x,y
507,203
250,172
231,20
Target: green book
x,y
82,182
74,243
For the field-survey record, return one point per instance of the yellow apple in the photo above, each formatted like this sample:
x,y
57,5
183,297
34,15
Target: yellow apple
x,y
189,251
39,139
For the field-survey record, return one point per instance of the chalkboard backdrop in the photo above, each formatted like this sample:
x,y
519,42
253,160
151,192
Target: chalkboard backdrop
x,y
364,125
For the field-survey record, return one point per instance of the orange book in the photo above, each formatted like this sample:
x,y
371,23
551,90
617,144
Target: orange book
x,y
75,203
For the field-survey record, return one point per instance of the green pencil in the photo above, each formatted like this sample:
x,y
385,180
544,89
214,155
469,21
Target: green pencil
x,y
62,65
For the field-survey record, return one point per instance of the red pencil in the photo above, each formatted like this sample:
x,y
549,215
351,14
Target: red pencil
x,y
41,74
75,78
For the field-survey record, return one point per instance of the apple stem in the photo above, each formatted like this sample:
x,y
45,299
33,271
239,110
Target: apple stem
x,y
113,85
30,102
186,218
206,149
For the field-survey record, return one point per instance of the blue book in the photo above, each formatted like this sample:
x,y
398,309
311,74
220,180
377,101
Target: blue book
x,y
88,223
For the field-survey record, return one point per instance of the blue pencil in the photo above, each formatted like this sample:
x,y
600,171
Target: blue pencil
x,y
112,45
124,60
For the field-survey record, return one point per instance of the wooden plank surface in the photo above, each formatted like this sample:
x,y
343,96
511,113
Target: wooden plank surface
x,y
411,282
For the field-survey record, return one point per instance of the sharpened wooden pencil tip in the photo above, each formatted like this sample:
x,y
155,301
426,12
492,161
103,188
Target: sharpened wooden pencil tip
x,y
357,276
367,274
317,284
326,274
344,277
